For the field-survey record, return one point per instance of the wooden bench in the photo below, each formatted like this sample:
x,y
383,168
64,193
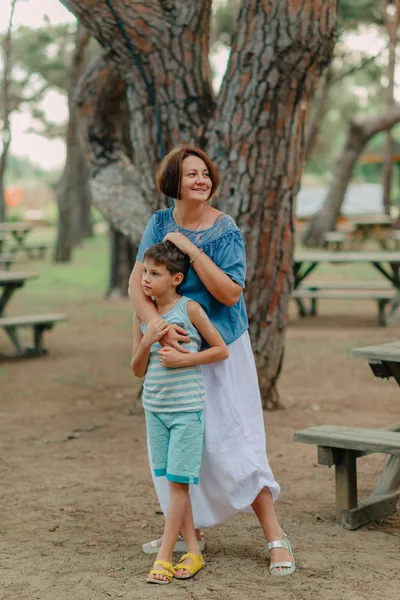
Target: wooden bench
x,y
382,296
341,446
35,250
380,284
39,324
6,260
335,240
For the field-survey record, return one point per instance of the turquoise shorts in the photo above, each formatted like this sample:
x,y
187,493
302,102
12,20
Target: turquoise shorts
x,y
176,444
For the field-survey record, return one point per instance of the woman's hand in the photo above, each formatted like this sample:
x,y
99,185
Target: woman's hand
x,y
173,336
155,330
182,243
171,358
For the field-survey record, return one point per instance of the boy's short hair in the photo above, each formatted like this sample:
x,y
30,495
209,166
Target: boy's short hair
x,y
169,172
167,254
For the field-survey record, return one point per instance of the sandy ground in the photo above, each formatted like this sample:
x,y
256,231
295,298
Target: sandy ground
x,y
76,495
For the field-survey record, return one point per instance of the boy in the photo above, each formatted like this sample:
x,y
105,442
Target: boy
x,y
173,397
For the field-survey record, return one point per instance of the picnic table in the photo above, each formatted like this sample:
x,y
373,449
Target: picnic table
x,y
372,226
11,325
387,263
3,237
384,361
342,446
11,281
19,231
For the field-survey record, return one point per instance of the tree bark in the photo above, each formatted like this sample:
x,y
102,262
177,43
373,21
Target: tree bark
x,y
360,132
254,131
257,137
73,196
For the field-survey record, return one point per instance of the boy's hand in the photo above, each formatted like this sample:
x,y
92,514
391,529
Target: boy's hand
x,y
171,358
155,330
174,335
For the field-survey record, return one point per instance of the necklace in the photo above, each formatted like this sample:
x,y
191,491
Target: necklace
x,y
201,218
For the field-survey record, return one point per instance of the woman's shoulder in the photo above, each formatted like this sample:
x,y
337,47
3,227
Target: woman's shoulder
x,y
224,228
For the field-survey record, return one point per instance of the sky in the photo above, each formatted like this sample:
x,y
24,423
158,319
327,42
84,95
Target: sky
x,y
50,154
46,153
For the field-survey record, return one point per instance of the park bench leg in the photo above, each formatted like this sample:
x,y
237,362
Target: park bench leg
x,y
301,308
13,335
381,313
313,312
346,482
6,295
38,347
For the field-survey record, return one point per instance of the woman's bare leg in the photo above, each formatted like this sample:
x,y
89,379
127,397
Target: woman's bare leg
x,y
264,508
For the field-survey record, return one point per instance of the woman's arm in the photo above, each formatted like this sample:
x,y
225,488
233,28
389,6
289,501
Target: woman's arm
x,y
146,310
218,283
218,349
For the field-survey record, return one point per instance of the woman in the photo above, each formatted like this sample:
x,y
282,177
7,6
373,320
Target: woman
x,y
235,474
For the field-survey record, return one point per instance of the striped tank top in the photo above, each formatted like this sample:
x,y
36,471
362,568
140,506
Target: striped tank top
x,y
174,390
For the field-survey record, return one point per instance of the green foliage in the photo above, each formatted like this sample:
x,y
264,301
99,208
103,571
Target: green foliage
x,y
45,52
223,21
22,169
353,13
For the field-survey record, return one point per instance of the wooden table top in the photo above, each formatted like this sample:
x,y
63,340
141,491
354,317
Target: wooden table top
x,y
11,226
389,352
347,257
13,276
381,219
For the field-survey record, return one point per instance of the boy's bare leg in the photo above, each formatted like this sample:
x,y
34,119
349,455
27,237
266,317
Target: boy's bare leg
x,y
190,537
177,508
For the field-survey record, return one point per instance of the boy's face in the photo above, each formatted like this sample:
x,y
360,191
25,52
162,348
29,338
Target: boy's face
x,y
157,280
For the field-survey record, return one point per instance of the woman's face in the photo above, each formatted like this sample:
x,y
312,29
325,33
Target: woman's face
x,y
195,182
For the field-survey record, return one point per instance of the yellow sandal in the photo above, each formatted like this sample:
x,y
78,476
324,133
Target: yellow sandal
x,y
193,567
167,571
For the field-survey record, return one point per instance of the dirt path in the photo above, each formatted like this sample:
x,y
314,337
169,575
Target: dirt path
x,y
77,505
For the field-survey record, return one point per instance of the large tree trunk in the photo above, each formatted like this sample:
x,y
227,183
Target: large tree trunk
x,y
73,196
360,132
254,132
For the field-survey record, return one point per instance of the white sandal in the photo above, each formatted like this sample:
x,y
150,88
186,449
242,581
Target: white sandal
x,y
180,546
288,567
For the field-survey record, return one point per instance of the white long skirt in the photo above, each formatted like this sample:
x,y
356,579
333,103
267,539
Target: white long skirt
x,y
234,465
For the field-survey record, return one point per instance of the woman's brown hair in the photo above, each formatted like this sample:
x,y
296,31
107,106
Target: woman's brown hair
x,y
169,172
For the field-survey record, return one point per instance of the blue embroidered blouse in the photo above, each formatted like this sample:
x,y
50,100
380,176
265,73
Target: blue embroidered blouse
x,y
223,243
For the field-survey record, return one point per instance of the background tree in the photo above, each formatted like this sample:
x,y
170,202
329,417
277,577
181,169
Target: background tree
x,y
58,54
360,124
7,108
254,130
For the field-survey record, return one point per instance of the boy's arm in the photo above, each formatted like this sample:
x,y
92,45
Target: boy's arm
x,y
140,349
218,349
142,344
